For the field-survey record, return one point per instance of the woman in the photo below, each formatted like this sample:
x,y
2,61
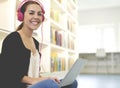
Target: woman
x,y
20,51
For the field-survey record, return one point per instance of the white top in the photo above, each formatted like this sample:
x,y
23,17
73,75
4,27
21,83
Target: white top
x,y
34,65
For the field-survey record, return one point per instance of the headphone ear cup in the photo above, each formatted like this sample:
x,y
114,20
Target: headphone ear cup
x,y
20,16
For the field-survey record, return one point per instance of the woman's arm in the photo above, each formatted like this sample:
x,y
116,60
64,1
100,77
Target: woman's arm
x,y
14,57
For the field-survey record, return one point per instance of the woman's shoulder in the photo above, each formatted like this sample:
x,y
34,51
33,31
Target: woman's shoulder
x,y
13,35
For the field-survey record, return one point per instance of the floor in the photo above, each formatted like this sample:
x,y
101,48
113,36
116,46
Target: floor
x,y
98,81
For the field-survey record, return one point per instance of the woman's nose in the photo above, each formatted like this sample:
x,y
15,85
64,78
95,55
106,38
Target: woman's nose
x,y
36,15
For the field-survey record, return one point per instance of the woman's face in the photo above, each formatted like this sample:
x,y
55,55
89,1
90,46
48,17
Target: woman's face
x,y
33,16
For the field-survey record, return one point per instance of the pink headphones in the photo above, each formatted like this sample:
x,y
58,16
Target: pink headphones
x,y
20,15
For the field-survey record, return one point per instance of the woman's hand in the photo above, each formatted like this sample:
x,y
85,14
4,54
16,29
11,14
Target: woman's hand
x,y
30,80
56,79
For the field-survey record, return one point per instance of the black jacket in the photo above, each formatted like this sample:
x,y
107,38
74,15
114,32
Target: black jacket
x,y
14,61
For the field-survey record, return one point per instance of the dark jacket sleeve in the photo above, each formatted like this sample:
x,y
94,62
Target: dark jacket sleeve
x,y
15,60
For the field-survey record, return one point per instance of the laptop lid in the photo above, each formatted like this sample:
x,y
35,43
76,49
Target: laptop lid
x,y
73,72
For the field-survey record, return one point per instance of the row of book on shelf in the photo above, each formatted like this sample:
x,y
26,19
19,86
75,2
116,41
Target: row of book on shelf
x,y
61,38
58,63
67,23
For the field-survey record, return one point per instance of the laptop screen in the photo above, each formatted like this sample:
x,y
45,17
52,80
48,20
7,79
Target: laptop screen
x,y
73,72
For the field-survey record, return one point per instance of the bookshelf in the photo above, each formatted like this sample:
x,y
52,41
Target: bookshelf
x,y
58,46
61,49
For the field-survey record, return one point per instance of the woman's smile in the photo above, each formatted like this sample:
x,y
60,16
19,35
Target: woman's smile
x,y
35,22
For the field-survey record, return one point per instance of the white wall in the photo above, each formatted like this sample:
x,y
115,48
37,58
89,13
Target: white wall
x,y
103,19
4,16
99,16
7,14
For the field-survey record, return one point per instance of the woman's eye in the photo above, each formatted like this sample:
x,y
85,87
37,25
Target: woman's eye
x,y
40,14
31,13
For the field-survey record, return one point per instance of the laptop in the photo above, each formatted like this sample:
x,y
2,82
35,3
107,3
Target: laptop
x,y
73,72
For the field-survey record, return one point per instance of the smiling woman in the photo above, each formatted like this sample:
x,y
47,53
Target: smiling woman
x,y
20,52
20,56
19,49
